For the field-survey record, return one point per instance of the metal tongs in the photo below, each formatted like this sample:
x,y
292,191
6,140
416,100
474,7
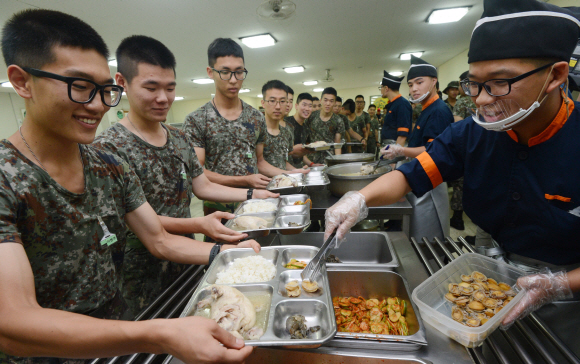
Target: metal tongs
x,y
383,162
313,267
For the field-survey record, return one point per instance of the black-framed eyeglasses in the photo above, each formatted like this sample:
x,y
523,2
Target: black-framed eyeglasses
x,y
226,75
83,91
497,86
274,102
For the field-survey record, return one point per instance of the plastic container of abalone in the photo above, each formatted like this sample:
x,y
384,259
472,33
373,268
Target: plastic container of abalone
x,y
436,310
277,307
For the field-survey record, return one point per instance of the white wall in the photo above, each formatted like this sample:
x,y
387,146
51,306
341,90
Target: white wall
x,y
10,114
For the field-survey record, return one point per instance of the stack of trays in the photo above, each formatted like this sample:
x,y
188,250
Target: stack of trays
x,y
315,307
312,181
286,219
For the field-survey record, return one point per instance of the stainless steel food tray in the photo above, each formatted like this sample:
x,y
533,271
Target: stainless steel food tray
x,y
360,251
312,181
325,147
315,307
380,285
286,212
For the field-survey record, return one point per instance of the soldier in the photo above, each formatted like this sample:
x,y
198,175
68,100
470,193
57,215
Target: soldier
x,y
373,131
65,208
296,123
346,136
360,122
464,107
452,90
166,164
228,134
279,140
316,104
324,125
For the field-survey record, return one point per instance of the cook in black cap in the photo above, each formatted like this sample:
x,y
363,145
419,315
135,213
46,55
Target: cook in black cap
x,y
521,169
398,112
431,211
452,91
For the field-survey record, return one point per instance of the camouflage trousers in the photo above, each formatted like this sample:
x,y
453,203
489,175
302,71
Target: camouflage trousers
x,y
457,197
372,146
145,277
116,309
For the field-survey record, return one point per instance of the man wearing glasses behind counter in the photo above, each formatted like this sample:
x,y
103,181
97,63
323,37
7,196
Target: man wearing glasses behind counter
x,y
228,134
518,154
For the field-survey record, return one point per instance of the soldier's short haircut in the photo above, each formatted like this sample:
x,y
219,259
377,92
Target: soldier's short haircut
x,y
142,49
372,105
359,97
290,90
29,36
314,98
349,105
339,99
304,96
273,84
223,47
329,91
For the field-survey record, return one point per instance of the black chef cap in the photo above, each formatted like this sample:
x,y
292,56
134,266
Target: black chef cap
x,y
420,68
391,81
524,29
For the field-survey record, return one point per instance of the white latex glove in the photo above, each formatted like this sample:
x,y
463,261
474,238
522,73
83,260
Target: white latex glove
x,y
540,289
393,151
344,214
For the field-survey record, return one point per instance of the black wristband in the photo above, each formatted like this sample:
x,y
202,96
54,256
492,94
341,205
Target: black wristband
x,y
215,250
250,193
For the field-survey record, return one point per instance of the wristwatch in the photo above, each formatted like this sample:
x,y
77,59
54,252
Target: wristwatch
x,y
215,250
250,193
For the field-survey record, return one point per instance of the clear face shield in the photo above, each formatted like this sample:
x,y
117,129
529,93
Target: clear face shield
x,y
503,114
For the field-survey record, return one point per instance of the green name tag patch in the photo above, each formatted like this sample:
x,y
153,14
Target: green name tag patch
x,y
109,240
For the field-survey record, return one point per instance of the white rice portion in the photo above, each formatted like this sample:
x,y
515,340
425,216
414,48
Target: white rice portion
x,y
260,206
251,269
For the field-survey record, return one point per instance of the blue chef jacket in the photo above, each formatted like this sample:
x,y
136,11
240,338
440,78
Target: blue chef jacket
x,y
526,197
434,118
398,117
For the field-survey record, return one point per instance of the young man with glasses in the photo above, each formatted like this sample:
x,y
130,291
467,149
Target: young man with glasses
x,y
518,154
279,140
324,125
65,209
166,164
358,125
228,134
373,130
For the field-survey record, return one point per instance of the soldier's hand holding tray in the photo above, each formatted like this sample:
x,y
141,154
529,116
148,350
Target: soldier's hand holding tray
x,y
212,226
244,244
262,194
257,180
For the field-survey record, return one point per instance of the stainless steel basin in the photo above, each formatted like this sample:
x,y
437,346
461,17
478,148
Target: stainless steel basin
x,y
349,158
341,184
360,251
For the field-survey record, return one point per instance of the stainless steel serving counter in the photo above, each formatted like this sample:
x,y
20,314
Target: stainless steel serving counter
x,y
402,210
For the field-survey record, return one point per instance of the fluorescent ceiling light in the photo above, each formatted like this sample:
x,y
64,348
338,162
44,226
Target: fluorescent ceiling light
x,y
296,69
259,41
260,96
178,98
244,90
113,62
396,73
441,16
310,83
202,81
7,84
407,56
318,89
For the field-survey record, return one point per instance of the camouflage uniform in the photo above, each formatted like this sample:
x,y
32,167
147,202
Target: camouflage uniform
x,y
346,129
61,234
464,107
317,130
277,147
297,130
166,175
372,141
416,113
230,145
357,125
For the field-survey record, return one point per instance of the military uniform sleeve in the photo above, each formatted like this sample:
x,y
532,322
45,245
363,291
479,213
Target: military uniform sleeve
x,y
306,131
134,195
8,213
339,126
194,127
346,122
437,123
442,161
196,167
262,129
404,117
